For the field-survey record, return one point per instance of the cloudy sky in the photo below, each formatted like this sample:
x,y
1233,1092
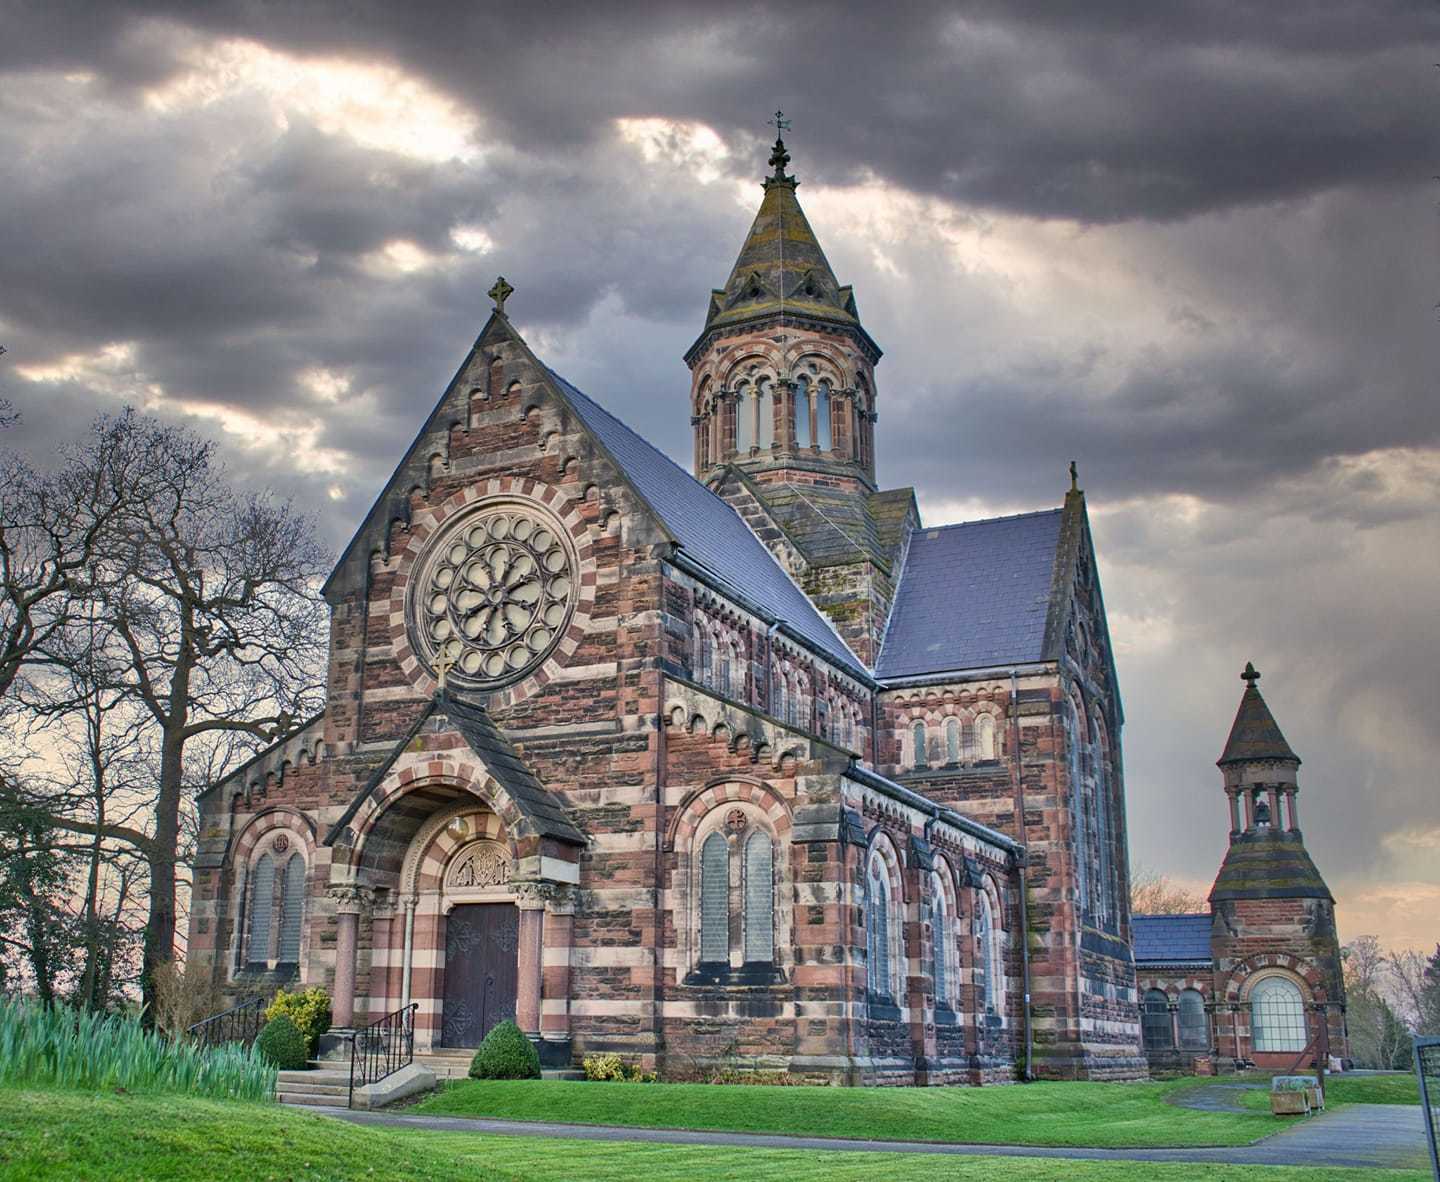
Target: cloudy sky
x,y
1191,245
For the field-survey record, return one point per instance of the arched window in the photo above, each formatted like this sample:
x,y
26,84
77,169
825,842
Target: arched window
x,y
1155,1021
707,658
917,742
967,739
944,942
802,411
715,900
952,740
262,900
822,417
759,899
765,408
744,418
877,931
1194,1024
292,910
985,736
725,658
782,696
985,968
1277,1016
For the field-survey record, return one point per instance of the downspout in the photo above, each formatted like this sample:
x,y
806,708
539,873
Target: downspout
x,y
1022,861
658,984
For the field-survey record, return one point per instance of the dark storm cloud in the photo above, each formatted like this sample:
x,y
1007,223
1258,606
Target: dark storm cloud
x,y
1103,112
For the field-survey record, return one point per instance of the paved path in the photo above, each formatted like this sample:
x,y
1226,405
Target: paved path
x,y
1213,1097
1374,1135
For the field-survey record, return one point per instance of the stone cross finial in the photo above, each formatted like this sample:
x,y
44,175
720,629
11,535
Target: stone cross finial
x,y
1074,477
1250,676
443,665
501,292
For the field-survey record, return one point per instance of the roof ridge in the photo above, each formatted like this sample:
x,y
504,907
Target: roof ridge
x,y
925,529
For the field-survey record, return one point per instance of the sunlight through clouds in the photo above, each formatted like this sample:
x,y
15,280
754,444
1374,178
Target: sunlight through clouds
x,y
376,105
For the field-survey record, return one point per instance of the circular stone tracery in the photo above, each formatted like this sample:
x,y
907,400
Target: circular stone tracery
x,y
495,592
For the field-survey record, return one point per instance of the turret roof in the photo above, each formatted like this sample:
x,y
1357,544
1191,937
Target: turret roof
x,y
781,268
1255,734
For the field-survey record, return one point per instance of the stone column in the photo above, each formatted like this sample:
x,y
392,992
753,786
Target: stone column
x,y
1234,811
347,930
529,898
558,936
1293,801
409,953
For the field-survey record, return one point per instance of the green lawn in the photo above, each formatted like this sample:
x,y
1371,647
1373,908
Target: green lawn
x,y
1100,1115
124,1138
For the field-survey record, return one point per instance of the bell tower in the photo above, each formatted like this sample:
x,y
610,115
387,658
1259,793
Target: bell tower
x,y
783,373
1273,939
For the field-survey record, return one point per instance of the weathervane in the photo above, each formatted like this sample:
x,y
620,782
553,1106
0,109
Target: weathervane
x,y
779,157
500,293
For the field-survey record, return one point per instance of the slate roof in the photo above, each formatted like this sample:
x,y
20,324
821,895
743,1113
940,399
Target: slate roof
x,y
709,531
1268,864
1171,939
543,812
973,595
1255,733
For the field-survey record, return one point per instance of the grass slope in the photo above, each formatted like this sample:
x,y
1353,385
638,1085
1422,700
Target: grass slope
x,y
1100,1115
104,1137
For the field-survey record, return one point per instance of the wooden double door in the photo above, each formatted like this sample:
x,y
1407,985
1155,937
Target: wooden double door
x,y
481,945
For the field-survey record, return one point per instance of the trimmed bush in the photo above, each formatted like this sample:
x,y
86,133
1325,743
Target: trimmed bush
x,y
309,1010
505,1053
282,1043
610,1068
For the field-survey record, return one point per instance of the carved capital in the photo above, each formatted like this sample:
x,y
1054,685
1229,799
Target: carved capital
x,y
558,898
349,899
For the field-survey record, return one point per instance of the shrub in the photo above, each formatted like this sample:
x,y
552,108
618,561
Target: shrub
x,y
183,996
505,1053
309,1010
282,1044
612,1069
58,1046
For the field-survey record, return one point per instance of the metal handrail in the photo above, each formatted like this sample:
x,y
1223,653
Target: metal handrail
x,y
382,1048
237,1024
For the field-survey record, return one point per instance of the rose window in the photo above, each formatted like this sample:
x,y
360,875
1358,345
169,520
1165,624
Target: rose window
x,y
494,595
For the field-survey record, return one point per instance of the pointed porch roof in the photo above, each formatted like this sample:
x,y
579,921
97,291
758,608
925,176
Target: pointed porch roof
x,y
1255,734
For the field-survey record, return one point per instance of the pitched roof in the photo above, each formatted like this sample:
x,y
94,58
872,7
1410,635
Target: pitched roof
x,y
710,533
541,810
1255,733
1171,939
972,596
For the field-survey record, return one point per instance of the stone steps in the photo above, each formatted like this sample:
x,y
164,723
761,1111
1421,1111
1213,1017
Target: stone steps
x,y
322,1085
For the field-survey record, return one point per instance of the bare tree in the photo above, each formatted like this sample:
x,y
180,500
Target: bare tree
x,y
1152,893
51,525
210,625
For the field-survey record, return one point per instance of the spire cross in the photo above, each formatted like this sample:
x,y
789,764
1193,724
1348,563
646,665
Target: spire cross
x,y
1074,477
1250,677
500,292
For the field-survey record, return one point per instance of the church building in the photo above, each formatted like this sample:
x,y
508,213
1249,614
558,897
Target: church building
x,y
749,766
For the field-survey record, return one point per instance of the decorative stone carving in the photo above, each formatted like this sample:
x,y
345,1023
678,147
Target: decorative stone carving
x,y
485,865
495,591
282,843
349,899
558,898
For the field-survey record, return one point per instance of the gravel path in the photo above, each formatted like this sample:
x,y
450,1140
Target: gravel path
x,y
1374,1135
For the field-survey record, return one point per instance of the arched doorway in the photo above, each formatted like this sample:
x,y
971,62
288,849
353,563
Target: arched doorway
x,y
461,956
482,939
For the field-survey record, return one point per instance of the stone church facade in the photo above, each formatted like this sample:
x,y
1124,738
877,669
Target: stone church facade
x,y
1257,978
748,766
